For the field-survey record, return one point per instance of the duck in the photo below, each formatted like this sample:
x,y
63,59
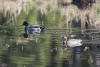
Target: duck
x,y
33,29
71,42
74,42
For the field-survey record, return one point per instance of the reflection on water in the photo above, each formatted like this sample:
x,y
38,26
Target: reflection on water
x,y
43,50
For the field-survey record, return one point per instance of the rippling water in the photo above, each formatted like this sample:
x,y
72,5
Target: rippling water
x,y
43,50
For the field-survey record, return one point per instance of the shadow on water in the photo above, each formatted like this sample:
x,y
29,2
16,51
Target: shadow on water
x,y
64,63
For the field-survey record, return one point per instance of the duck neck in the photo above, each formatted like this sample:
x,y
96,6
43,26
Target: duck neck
x,y
26,29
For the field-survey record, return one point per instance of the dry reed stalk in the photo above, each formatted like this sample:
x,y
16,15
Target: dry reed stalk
x,y
11,9
71,9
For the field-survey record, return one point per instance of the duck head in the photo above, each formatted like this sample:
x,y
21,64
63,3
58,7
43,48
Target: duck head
x,y
25,23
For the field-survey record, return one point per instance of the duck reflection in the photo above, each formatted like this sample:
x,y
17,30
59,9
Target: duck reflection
x,y
4,65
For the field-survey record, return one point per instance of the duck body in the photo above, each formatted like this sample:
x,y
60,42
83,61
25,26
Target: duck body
x,y
71,42
34,29
74,42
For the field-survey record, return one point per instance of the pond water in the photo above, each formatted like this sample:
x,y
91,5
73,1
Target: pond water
x,y
44,50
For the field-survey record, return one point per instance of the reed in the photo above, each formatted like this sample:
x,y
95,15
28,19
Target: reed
x,y
86,10
12,8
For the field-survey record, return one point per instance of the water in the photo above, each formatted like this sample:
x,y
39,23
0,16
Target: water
x,y
43,50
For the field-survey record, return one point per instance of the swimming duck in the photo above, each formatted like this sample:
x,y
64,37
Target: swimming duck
x,y
72,42
33,29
